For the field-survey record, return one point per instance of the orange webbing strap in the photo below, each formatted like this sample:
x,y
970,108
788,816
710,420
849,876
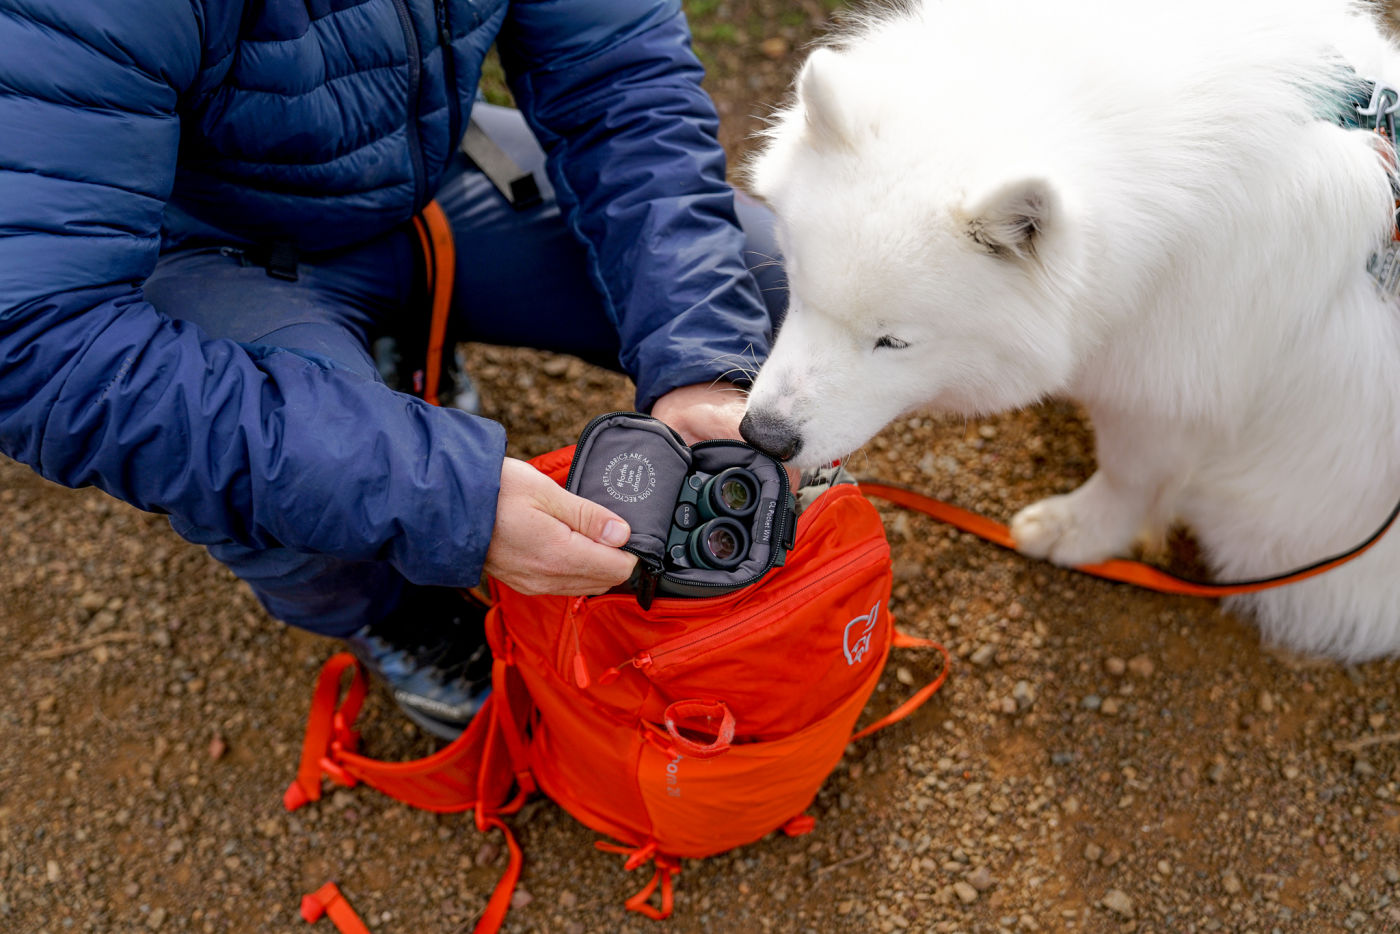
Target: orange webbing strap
x,y
487,816
667,868
327,731
902,641
472,772
1123,571
494,914
440,260
448,781
328,902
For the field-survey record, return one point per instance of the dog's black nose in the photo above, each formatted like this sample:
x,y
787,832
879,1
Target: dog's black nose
x,y
771,435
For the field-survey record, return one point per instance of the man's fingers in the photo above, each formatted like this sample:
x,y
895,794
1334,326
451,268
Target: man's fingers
x,y
587,518
549,541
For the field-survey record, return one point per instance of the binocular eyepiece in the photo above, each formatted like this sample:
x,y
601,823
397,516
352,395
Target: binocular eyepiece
x,y
716,538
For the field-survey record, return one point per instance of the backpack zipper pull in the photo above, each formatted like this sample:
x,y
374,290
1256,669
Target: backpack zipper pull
x,y
581,677
639,661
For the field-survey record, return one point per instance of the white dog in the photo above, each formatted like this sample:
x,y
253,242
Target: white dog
x,y
1152,208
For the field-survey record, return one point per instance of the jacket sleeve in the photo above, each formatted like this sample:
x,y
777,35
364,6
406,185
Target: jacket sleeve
x,y
612,90
265,447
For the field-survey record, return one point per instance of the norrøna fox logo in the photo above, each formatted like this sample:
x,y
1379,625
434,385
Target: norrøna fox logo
x,y
859,631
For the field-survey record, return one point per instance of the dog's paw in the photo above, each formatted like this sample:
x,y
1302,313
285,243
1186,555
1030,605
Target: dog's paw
x,y
1054,530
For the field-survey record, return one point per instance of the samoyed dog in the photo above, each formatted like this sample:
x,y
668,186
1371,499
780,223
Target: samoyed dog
x,y
1165,211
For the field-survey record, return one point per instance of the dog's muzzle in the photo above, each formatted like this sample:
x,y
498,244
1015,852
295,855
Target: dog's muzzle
x,y
771,434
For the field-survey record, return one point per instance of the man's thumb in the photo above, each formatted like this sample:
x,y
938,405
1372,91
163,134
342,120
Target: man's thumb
x,y
597,522
614,532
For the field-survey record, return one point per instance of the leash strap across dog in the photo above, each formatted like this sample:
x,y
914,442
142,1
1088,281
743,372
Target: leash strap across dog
x,y
1120,570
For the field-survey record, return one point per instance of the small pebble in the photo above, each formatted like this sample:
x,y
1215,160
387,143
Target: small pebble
x,y
1115,665
1141,666
965,892
980,879
1117,901
775,48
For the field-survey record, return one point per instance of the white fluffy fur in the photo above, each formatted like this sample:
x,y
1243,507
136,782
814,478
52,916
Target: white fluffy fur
x,y
1133,204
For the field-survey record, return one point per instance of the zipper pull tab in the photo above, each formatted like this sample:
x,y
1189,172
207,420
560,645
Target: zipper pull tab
x,y
581,677
644,579
639,661
444,34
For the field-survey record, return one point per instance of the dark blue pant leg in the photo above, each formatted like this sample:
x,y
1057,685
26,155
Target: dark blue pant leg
x,y
328,311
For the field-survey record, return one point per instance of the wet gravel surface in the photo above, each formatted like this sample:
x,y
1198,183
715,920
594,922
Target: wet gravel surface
x,y
1102,759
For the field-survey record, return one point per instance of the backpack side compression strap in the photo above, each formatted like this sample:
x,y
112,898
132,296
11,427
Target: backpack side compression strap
x,y
440,262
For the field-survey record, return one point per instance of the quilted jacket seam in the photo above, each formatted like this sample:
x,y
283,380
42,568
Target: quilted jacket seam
x,y
246,89
72,36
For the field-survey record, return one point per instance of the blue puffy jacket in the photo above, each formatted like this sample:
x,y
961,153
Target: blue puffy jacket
x,y
325,122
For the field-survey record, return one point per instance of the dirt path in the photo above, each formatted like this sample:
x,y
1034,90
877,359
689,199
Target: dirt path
x,y
1101,760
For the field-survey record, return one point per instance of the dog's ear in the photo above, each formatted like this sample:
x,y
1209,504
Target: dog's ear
x,y
819,90
1011,220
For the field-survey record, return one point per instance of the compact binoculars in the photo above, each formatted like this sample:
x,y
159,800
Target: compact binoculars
x,y
706,519
709,528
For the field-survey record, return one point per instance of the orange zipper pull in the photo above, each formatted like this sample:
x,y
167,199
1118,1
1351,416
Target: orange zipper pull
x,y
581,677
639,661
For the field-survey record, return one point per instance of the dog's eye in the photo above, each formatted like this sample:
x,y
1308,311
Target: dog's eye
x,y
891,343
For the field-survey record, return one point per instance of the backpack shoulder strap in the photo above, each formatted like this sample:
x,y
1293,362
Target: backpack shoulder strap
x,y
446,781
468,774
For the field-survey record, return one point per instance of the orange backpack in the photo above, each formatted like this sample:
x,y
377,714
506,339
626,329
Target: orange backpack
x,y
683,731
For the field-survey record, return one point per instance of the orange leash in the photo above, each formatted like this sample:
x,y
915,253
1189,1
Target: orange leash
x,y
1123,571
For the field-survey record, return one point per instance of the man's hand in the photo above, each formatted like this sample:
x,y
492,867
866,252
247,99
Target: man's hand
x,y
703,411
547,540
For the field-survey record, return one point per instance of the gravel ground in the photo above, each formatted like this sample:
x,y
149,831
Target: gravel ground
x,y
1102,759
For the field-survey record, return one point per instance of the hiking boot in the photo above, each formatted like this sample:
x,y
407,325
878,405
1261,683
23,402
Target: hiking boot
x,y
432,654
405,372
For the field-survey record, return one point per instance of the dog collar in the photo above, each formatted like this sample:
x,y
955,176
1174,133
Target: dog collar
x,y
1373,105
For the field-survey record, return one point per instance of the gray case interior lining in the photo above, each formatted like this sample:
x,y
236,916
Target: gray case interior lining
x,y
626,464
